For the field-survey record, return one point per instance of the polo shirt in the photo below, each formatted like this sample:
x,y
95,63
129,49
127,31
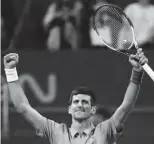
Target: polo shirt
x,y
59,133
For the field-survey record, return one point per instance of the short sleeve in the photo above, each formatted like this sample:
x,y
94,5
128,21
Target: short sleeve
x,y
47,129
109,129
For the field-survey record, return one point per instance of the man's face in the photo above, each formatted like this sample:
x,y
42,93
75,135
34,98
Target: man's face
x,y
81,108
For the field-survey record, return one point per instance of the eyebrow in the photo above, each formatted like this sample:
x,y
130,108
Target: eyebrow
x,y
81,100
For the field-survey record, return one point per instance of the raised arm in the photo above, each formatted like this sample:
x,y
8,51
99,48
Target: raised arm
x,y
17,95
121,114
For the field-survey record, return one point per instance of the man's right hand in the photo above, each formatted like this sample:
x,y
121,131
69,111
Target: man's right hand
x,y
11,60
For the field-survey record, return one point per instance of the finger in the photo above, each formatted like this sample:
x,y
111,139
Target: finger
x,y
11,56
132,56
136,57
143,60
139,50
8,55
7,58
17,56
140,54
14,55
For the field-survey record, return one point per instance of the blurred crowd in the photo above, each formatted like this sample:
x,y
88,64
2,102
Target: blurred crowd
x,y
66,24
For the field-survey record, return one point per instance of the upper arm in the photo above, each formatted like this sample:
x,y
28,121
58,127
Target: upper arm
x,y
123,111
42,125
119,118
22,105
33,117
109,130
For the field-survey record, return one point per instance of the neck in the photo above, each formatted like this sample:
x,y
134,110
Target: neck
x,y
80,126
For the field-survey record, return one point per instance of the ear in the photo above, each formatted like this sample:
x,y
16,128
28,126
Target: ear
x,y
69,109
93,110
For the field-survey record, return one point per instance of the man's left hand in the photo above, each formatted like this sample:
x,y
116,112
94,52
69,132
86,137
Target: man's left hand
x,y
138,60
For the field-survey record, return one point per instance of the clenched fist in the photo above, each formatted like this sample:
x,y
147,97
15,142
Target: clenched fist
x,y
141,60
11,60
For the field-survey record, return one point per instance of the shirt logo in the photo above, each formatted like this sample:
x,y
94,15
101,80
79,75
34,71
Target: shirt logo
x,y
91,140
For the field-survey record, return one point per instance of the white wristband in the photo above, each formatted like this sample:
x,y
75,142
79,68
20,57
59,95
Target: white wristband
x,y
11,75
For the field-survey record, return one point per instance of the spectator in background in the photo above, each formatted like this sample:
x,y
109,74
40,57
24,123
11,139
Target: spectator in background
x,y
61,23
142,15
51,26
85,25
86,13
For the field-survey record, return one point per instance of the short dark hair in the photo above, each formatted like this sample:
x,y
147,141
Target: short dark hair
x,y
83,90
103,111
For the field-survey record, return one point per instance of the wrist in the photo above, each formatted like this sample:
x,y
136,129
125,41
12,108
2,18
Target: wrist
x,y
11,75
136,76
139,69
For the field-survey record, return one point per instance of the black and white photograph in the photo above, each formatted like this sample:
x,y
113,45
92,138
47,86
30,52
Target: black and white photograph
x,y
77,72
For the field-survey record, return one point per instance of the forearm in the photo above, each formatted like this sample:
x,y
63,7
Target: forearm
x,y
17,96
133,89
129,100
131,96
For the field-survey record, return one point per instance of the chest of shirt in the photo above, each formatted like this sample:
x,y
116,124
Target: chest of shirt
x,y
96,138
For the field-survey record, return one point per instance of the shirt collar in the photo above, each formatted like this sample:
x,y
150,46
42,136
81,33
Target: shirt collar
x,y
86,131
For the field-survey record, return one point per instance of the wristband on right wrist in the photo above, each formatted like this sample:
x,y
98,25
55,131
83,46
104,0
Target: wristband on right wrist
x,y
136,76
11,75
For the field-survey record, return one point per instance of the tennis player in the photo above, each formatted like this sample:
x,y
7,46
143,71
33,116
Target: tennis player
x,y
81,107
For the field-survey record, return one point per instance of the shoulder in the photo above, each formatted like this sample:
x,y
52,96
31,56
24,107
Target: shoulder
x,y
108,128
52,129
56,125
52,126
108,125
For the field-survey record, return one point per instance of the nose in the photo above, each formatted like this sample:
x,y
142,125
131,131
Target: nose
x,y
80,104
